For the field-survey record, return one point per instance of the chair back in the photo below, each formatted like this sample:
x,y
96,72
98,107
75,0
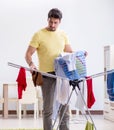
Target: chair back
x,y
29,95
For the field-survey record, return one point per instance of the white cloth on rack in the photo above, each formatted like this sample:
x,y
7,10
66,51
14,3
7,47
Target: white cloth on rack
x,y
62,86
62,91
81,96
70,59
61,95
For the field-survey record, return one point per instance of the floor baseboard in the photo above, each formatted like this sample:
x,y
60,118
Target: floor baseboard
x,y
93,112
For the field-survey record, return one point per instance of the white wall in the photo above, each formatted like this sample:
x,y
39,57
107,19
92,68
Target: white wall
x,y
89,25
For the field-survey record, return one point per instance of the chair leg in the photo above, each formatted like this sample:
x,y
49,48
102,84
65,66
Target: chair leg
x,y
19,110
17,107
24,110
40,106
35,111
40,113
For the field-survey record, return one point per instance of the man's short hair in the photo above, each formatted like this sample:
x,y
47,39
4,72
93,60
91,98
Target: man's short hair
x,y
55,13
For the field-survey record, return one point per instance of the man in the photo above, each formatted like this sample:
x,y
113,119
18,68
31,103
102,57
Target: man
x,y
49,42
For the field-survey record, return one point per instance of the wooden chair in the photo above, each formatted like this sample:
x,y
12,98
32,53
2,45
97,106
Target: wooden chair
x,y
29,97
40,100
1,102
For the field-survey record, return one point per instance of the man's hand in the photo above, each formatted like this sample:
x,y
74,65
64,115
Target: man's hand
x,y
32,67
85,53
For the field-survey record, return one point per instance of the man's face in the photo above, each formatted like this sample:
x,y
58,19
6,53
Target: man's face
x,y
53,24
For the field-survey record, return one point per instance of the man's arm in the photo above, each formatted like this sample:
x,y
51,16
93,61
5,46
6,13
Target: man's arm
x,y
28,56
68,48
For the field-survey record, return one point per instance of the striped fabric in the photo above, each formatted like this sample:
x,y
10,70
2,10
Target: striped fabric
x,y
72,75
81,64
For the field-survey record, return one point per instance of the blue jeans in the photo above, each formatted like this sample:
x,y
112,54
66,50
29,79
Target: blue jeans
x,y
48,90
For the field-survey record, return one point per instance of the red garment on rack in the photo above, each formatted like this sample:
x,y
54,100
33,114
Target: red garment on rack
x,y
21,79
90,94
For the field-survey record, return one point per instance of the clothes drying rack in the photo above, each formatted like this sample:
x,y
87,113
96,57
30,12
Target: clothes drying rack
x,y
74,84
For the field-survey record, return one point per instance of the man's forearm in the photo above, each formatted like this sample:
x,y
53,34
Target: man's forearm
x,y
28,59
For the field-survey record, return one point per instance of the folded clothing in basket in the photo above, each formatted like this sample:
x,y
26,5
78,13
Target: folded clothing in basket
x,y
72,64
73,74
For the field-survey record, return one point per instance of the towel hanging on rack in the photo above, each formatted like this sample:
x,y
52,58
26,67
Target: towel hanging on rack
x,y
89,126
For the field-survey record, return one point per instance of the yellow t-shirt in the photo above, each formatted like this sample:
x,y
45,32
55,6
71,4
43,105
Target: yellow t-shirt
x,y
49,45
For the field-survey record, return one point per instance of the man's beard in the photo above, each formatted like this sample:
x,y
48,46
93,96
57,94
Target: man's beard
x,y
51,29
